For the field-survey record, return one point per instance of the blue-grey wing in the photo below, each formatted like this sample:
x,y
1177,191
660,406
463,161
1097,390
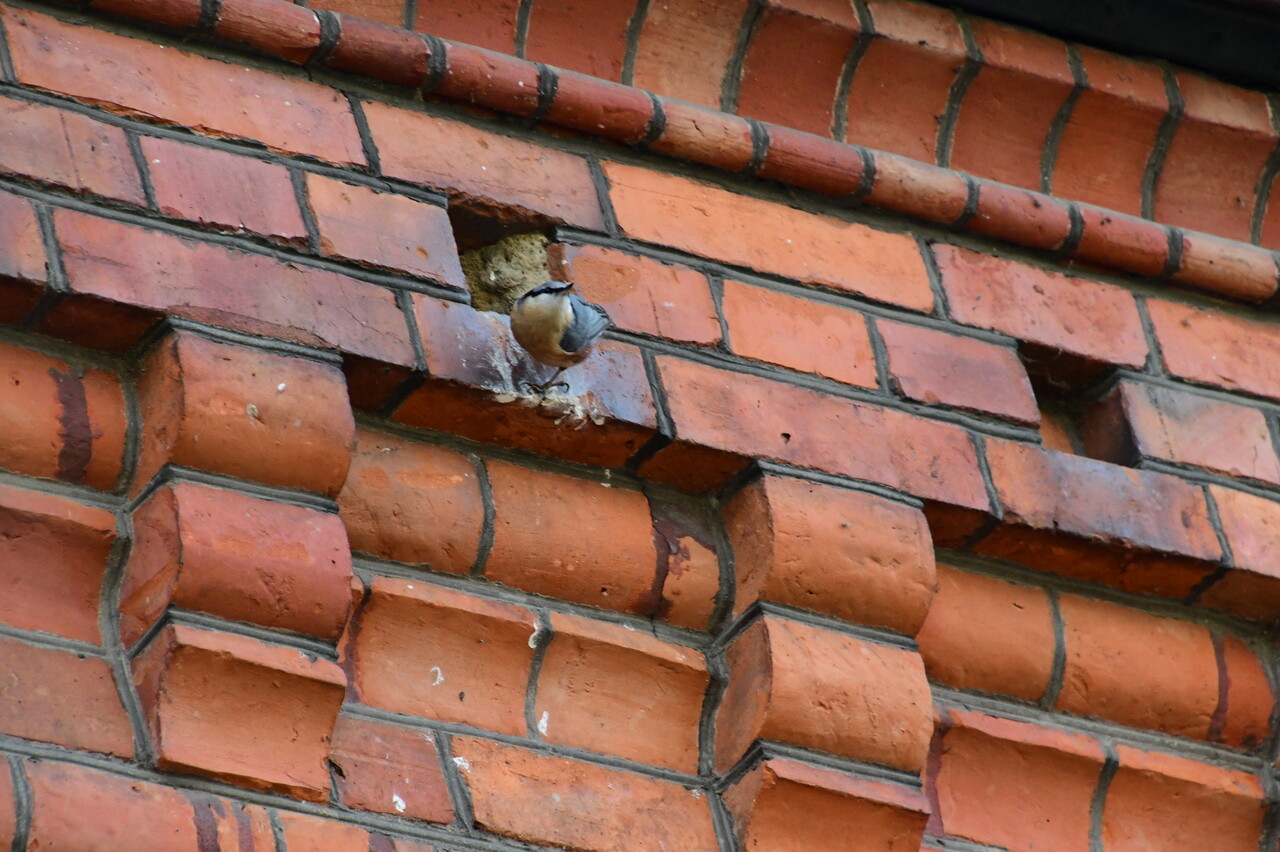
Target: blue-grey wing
x,y
589,322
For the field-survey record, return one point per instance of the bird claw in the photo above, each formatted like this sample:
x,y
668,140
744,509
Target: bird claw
x,y
543,388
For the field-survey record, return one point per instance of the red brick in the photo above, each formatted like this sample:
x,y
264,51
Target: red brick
x,y
231,409
917,189
373,44
819,689
490,23
154,81
67,149
1217,348
59,421
62,698
988,635
744,231
1083,318
785,804
612,689
1121,242
550,183
685,47
601,108
811,162
390,769
842,553
63,794
8,805
412,502
239,710
582,35
1056,431
601,538
53,553
1252,527
938,368
493,80
471,656
1227,268
540,798
759,418
1137,669
1157,801
1015,785
688,579
22,266
1104,148
388,12
823,32
1020,216
179,14
1244,710
1269,232
277,29
217,188
640,294
1219,149
705,135
1137,530
140,273
903,81
233,825
479,388
304,833
380,229
1138,420
802,334
1010,106
239,557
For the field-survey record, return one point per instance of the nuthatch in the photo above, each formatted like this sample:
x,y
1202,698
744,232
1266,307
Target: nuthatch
x,y
557,326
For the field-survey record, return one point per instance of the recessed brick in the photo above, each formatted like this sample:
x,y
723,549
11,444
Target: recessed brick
x,y
819,689
360,224
67,149
390,769
231,409
472,655
1217,348
1251,524
221,189
572,539
541,798
63,698
802,334
843,553
22,265
239,710
581,35
745,231
239,557
59,421
151,80
988,635
612,689
939,368
412,502
53,553
685,46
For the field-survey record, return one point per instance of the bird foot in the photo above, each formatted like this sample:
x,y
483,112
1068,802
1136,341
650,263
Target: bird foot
x,y
543,388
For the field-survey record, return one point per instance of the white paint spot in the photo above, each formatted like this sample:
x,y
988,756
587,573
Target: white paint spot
x,y
533,637
409,586
398,803
556,797
280,387
542,723
439,676
252,410
462,763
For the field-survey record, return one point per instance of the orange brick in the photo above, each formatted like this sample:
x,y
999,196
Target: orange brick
x,y
1137,669
1243,717
391,769
988,635
222,189
233,825
8,804
1084,318
239,710
141,78
802,334
412,502
1165,802
67,149
489,23
934,367
1216,348
785,804
289,32
689,578
468,162
232,409
305,833
360,224
22,268
572,539
239,557
62,698
53,553
612,689
819,689
641,294
580,35
685,46
59,421
540,798
851,555
744,231
472,655
1226,267
1252,526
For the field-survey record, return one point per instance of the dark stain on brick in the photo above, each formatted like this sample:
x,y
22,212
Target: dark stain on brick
x,y
74,428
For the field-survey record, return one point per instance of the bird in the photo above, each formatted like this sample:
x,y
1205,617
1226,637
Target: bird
x,y
557,326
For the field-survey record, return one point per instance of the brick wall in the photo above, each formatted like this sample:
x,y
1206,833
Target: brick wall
x,y
923,497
